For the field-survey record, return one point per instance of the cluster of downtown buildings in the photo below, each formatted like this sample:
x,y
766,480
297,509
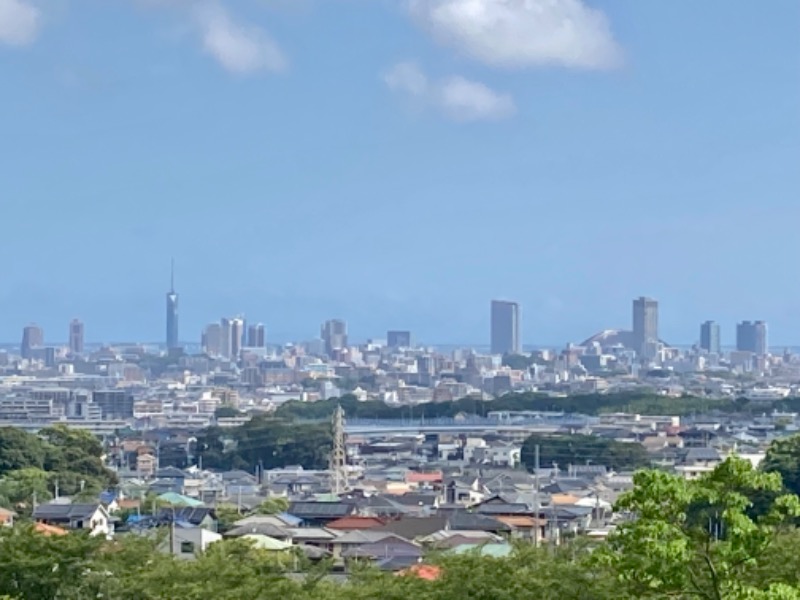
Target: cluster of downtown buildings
x,y
236,366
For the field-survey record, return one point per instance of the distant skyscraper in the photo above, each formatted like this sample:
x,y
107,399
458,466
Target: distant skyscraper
x,y
172,312
710,337
32,338
398,339
334,334
231,337
505,328
76,336
645,326
256,336
212,339
751,336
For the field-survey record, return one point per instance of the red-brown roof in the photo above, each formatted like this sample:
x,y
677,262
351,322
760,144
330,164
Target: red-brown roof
x,y
355,522
420,477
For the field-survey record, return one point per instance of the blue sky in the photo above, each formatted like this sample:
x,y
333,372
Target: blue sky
x,y
398,163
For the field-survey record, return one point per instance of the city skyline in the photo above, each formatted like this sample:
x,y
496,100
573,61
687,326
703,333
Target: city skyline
x,y
229,335
607,180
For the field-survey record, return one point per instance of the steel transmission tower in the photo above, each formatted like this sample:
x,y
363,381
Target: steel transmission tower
x,y
338,466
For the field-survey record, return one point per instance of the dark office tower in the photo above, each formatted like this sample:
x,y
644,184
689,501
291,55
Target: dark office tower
x,y
76,336
645,326
32,338
505,328
256,336
398,339
751,336
710,338
334,334
114,404
172,312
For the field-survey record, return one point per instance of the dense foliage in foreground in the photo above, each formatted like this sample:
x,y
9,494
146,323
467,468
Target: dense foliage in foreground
x,y
690,539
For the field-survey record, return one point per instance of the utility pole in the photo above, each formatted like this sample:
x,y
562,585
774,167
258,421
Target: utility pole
x,y
172,533
338,463
536,496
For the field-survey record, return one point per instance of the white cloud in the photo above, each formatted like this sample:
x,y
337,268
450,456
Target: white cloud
x,y
522,33
19,22
467,100
455,97
238,48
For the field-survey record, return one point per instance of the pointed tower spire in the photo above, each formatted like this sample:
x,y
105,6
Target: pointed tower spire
x,y
172,276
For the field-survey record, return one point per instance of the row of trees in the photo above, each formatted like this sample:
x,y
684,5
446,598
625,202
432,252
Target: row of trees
x,y
689,539
589,404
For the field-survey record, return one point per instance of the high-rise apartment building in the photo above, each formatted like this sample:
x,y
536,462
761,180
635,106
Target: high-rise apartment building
x,y
32,338
211,340
334,334
710,337
645,326
751,336
76,336
398,339
505,328
256,336
172,313
231,338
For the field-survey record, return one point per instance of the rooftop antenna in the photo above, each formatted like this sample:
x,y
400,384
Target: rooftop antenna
x,y
172,276
338,466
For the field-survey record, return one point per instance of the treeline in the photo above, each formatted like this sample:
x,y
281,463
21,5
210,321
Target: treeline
x,y
35,466
689,539
565,450
588,404
265,442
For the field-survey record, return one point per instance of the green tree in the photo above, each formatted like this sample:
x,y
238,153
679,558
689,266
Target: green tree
x,y
695,538
272,506
44,567
783,457
19,489
19,450
583,449
227,411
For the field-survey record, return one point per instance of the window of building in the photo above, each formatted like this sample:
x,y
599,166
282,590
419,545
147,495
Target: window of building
x,y
187,547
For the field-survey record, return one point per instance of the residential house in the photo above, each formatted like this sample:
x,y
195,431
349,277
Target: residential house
x,y
185,541
464,491
92,517
696,461
197,516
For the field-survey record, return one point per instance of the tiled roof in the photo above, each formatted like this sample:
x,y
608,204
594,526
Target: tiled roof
x,y
320,510
64,512
420,477
355,522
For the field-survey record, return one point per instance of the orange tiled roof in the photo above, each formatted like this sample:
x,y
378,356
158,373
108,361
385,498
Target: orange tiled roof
x,y
520,521
426,572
